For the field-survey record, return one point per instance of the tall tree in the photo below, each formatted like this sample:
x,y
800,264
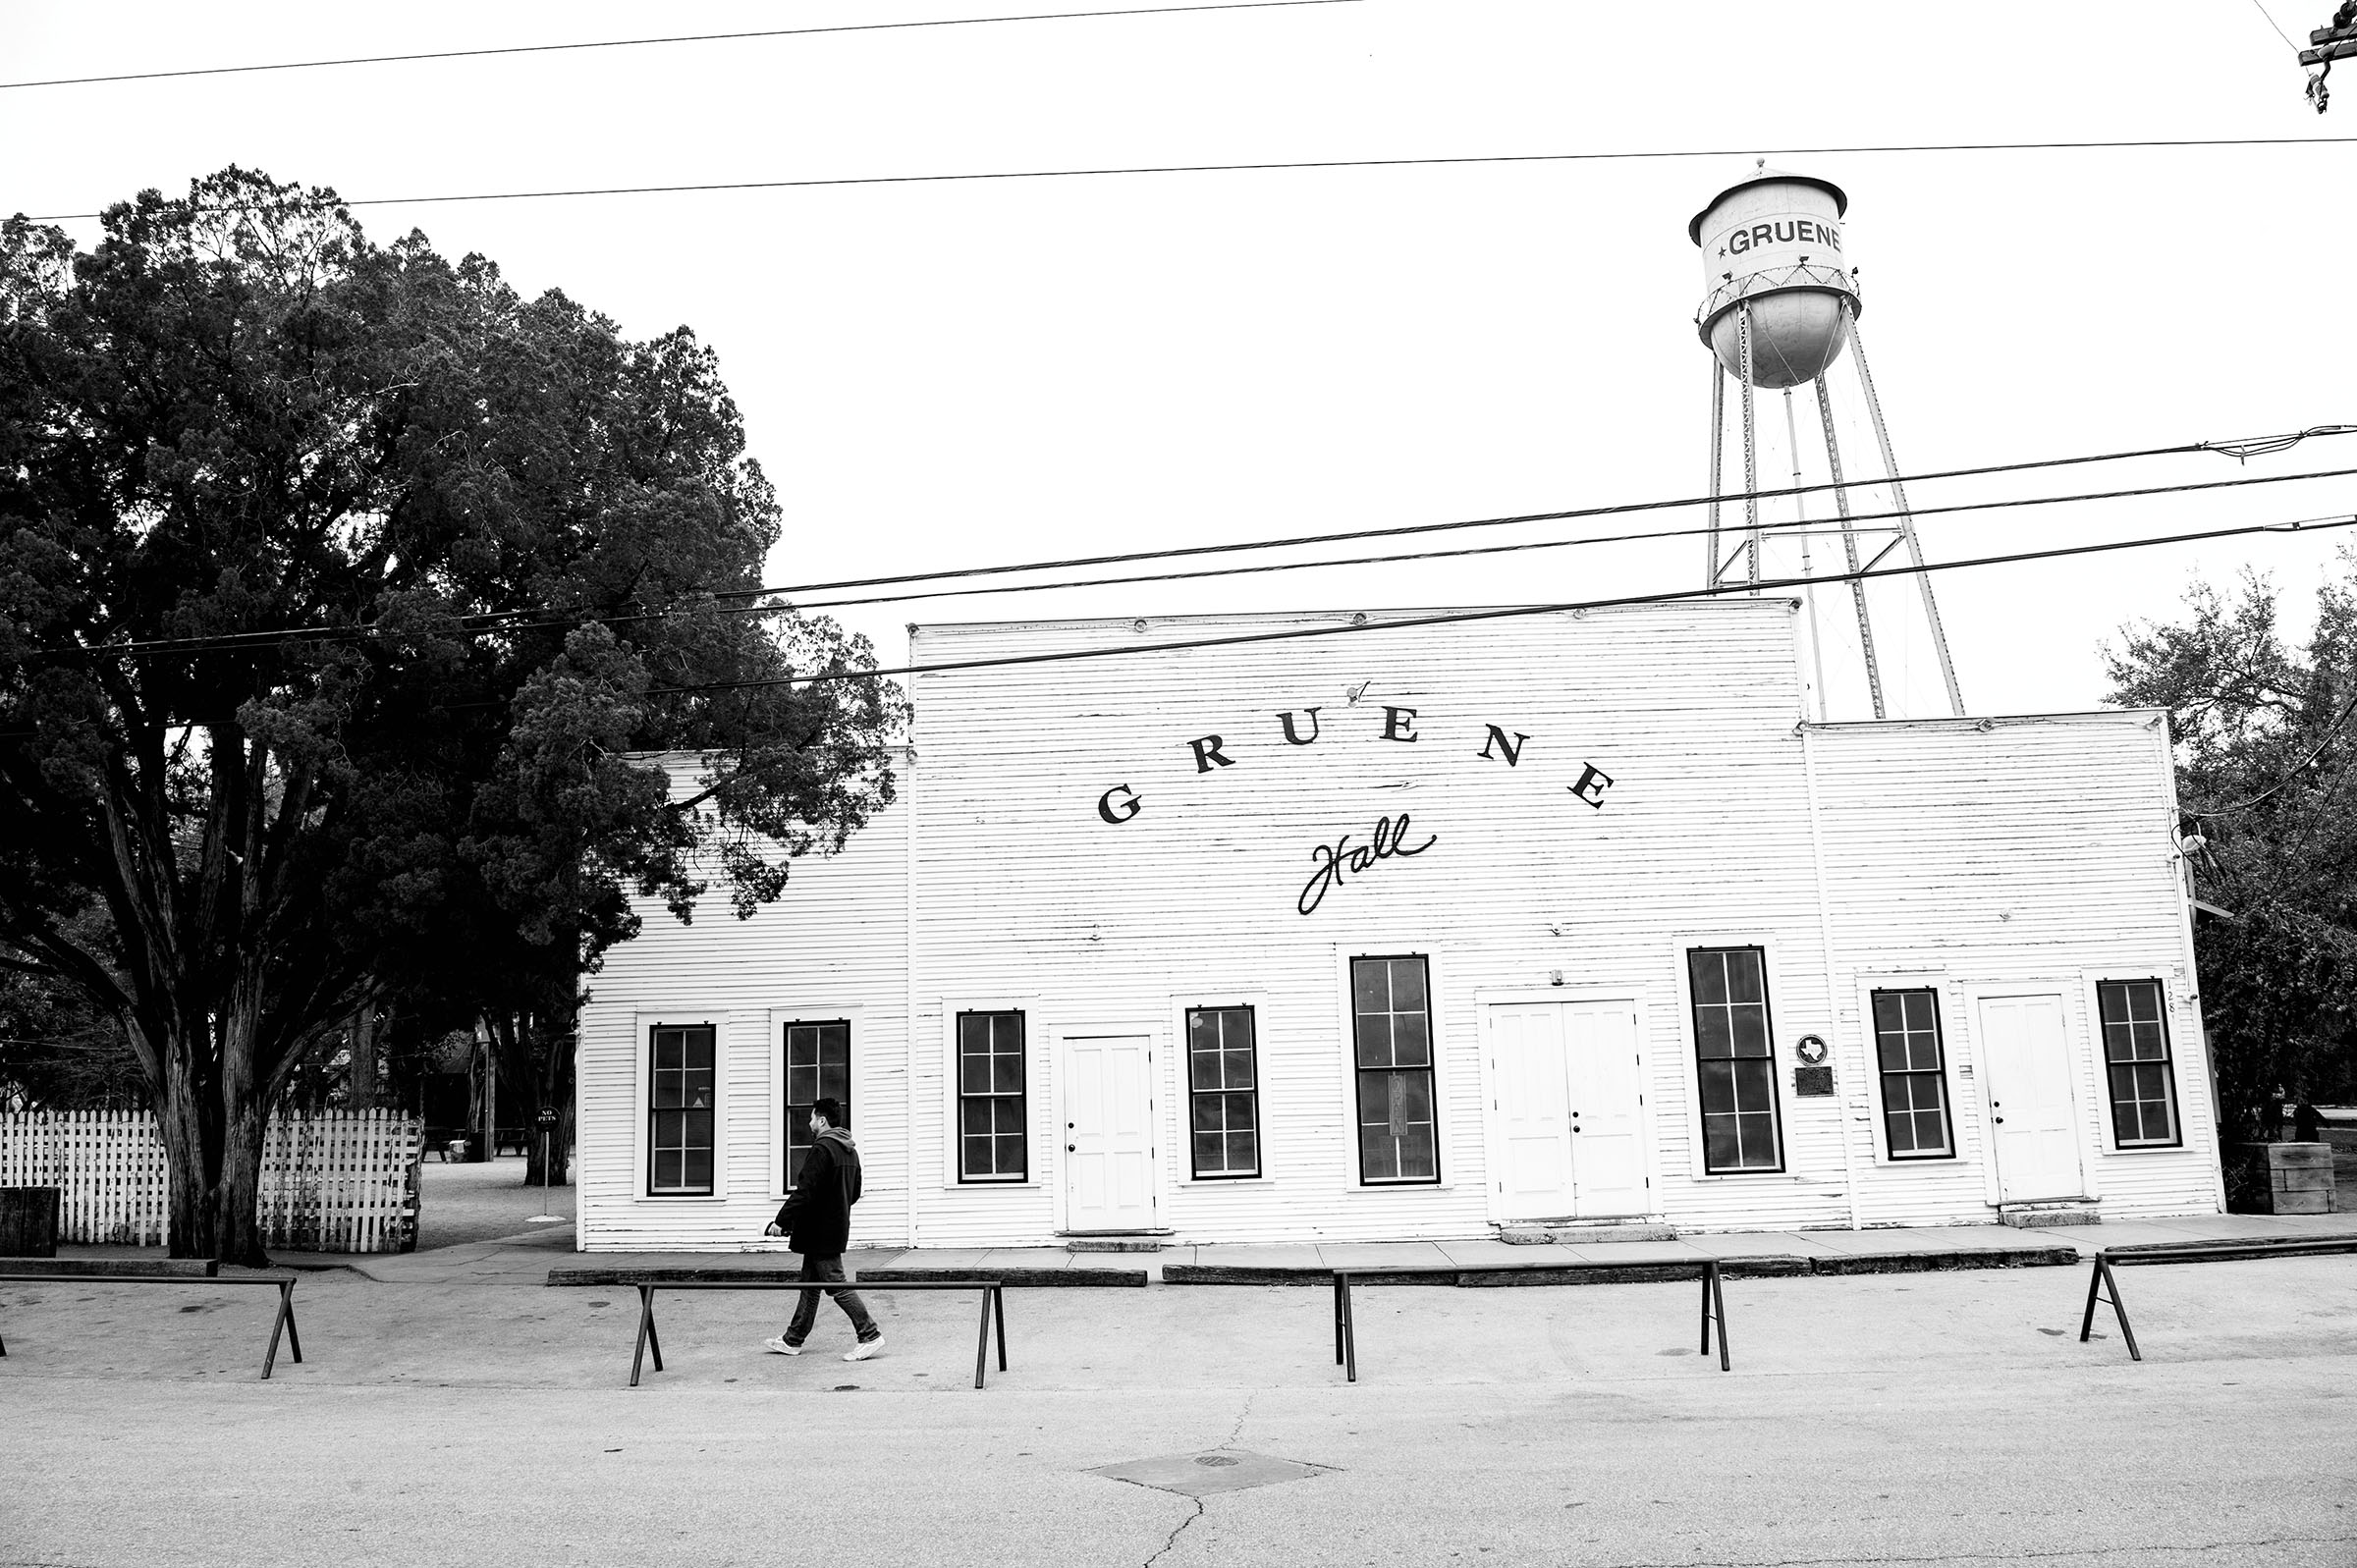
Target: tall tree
x,y
345,591
2264,748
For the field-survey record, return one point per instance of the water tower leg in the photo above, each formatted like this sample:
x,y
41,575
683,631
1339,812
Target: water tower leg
x,y
1751,462
1808,569
1906,521
1850,549
1711,569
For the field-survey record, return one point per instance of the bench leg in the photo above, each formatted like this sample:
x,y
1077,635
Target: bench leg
x,y
646,1334
2102,1278
1341,1283
982,1339
284,1321
1711,1283
998,1306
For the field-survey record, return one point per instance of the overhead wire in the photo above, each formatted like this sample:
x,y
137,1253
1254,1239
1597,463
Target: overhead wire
x,y
1110,171
518,618
674,38
1464,616
1445,619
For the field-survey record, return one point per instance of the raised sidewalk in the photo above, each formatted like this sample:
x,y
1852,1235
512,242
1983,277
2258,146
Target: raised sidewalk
x,y
547,1255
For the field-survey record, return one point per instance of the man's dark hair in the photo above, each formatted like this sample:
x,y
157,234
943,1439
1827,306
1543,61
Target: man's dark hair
x,y
827,1107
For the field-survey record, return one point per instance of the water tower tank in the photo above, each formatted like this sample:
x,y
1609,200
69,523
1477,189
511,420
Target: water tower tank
x,y
1774,242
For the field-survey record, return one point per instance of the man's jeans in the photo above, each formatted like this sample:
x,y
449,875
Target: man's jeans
x,y
821,1266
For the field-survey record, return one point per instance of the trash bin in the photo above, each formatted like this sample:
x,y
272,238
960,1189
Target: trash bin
x,y
29,1221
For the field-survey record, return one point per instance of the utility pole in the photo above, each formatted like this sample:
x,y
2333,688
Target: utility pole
x,y
2338,41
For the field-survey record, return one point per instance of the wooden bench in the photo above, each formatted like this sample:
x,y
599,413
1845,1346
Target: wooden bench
x,y
2100,1279
1345,1323
648,1282
162,1272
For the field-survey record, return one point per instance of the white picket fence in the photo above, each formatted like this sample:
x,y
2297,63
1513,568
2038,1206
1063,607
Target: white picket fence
x,y
340,1181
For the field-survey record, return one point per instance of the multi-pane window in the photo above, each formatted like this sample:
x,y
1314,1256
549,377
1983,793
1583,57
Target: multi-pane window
x,y
1391,1032
1732,1059
678,1111
1223,1081
818,1066
2143,1107
1906,1044
991,1100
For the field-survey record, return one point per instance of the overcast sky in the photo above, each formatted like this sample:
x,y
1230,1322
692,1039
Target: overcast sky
x,y
963,373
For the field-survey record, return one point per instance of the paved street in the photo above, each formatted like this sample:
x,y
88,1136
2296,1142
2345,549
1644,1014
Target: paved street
x,y
1939,1417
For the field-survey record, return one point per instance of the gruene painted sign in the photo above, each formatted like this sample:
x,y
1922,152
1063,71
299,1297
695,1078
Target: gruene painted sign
x,y
1342,859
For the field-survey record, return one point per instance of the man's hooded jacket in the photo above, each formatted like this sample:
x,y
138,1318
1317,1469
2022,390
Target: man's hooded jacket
x,y
817,1214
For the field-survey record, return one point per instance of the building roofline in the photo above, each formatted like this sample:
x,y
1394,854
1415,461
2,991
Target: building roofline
x,y
1720,604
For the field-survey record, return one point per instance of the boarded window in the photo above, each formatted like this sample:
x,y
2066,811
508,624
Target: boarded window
x,y
678,1111
818,1066
1223,1078
992,1104
2144,1102
1399,1137
1914,1074
1733,1060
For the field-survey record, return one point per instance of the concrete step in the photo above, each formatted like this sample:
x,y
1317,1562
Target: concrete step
x,y
2039,1215
1582,1234
1151,1241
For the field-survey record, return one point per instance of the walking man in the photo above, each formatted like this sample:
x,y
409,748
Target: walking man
x,y
816,1219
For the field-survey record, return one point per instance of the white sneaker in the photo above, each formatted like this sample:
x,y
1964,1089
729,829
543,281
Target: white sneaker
x,y
864,1349
780,1345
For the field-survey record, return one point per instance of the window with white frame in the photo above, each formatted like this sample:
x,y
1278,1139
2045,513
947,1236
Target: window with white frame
x,y
818,1066
1223,1080
2144,1102
1734,1063
992,1099
1914,1074
1390,1008
680,1089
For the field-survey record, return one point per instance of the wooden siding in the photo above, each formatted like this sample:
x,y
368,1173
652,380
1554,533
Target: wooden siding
x,y
2035,854
2030,852
831,947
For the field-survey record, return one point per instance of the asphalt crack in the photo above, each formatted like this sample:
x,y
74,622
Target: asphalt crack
x,y
1173,1539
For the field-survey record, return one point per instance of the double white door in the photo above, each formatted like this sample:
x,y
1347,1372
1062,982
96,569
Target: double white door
x,y
1567,1079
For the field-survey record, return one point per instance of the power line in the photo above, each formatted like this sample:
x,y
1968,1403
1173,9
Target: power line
x,y
1452,618
1272,167
1462,616
2298,767
683,38
1811,527
489,621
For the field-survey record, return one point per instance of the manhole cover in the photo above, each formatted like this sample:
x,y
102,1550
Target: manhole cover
x,y
1223,1470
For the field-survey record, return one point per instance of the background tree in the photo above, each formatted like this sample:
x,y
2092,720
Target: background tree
x,y
2264,750
341,586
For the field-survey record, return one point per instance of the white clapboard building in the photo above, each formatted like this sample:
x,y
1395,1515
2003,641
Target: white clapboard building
x,y
1422,932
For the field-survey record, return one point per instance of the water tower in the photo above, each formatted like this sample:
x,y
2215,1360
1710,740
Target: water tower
x,y
1780,305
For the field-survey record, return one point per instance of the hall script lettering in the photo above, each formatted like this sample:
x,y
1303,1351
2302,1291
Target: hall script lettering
x,y
1342,857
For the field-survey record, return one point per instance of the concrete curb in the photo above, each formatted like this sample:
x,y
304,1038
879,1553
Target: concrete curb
x,y
876,1279
1773,1266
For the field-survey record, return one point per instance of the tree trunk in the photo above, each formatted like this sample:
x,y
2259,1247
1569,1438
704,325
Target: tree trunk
x,y
191,1137
211,1122
364,1076
483,1095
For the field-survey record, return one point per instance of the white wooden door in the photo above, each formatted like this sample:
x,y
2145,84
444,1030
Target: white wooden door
x,y
1108,1134
1608,1117
2026,1050
1569,1118
1533,1110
